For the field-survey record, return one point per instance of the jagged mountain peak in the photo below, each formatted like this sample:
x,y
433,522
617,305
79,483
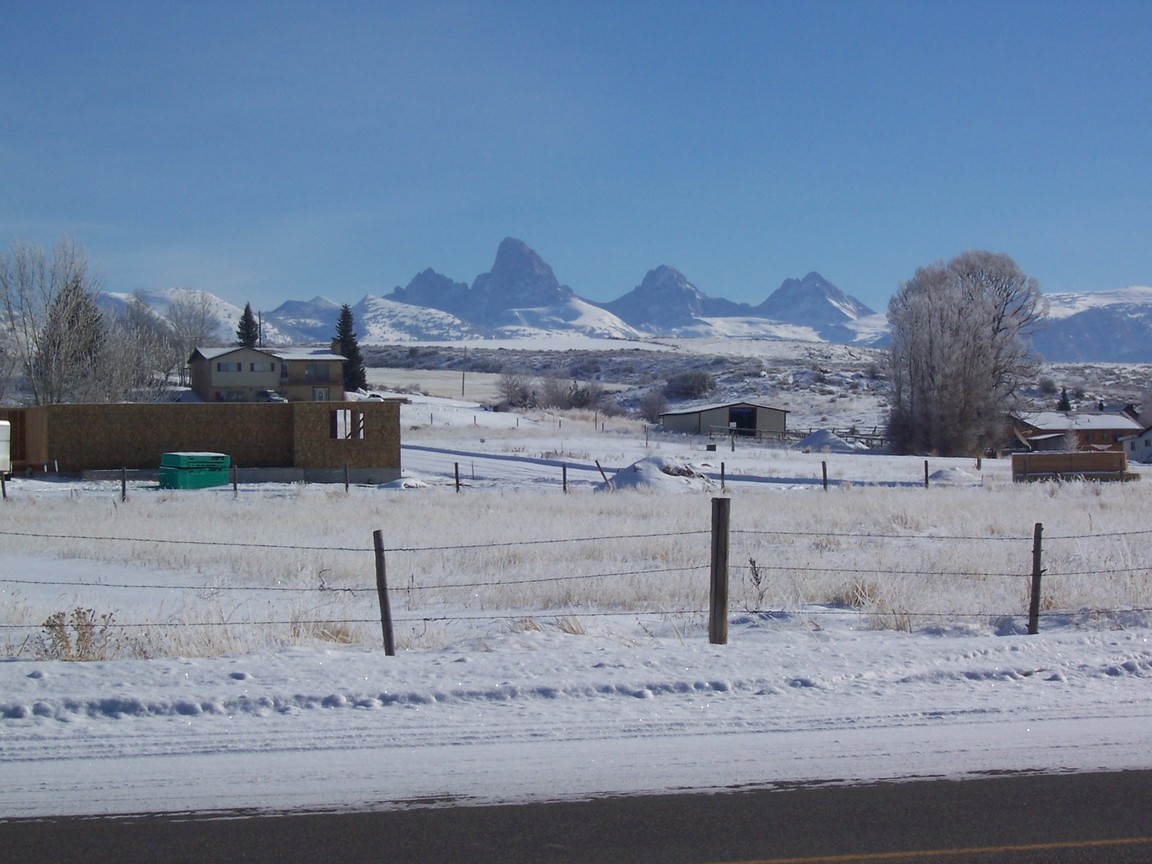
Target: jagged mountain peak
x,y
515,259
433,290
668,278
664,300
812,301
519,279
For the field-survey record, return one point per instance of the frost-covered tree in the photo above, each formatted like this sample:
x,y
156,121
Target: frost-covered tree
x,y
652,404
54,331
194,323
247,331
355,378
137,356
66,366
513,388
9,361
960,350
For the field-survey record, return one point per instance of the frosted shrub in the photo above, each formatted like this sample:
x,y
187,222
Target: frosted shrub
x,y
78,635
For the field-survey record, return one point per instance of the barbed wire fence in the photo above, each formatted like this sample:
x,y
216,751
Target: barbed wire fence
x,y
899,581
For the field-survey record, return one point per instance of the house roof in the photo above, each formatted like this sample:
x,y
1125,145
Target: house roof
x,y
1059,421
701,408
277,353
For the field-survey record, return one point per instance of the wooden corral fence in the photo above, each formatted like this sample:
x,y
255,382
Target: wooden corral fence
x,y
1091,465
873,437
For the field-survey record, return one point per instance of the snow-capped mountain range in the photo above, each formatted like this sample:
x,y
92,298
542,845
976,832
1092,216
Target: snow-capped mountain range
x,y
521,297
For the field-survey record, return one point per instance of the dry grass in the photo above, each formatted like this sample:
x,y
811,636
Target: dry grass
x,y
902,558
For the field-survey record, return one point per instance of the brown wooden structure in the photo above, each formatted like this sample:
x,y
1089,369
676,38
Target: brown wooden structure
x,y
313,441
1086,465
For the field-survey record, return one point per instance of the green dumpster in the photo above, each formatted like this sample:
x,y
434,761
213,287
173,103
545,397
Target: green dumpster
x,y
194,470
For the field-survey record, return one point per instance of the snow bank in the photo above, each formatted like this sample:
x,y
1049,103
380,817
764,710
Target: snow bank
x,y
664,473
955,476
825,441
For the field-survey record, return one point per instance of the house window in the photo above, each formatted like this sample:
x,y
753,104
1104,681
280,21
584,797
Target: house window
x,y
316,372
347,425
263,367
232,396
228,367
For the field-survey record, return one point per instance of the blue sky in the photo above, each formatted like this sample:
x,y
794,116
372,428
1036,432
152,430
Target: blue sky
x,y
273,151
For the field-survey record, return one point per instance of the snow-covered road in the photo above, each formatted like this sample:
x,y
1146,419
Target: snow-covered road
x,y
547,716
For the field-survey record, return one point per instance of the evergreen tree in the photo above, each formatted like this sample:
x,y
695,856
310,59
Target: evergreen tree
x,y
354,375
1064,404
248,331
67,362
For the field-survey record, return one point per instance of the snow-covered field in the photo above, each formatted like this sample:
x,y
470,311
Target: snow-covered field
x,y
555,645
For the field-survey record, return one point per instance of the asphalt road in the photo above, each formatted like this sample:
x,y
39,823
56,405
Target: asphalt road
x,y
1099,818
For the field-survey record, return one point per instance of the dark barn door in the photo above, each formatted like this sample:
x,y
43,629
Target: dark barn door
x,y
743,419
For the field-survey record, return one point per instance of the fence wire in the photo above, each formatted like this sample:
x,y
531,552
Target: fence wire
x,y
791,556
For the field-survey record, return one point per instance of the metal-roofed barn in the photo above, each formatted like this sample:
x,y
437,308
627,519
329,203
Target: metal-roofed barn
x,y
740,418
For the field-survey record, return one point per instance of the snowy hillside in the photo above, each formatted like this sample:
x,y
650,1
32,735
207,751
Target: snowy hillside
x,y
380,321
227,314
1065,305
1113,326
573,316
304,321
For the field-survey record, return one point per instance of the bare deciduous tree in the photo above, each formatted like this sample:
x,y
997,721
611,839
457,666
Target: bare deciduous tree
x,y
61,347
9,361
960,350
194,324
137,357
49,308
652,404
513,387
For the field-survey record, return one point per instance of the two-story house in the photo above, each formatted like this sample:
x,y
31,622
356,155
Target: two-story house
x,y
1139,447
1059,430
235,374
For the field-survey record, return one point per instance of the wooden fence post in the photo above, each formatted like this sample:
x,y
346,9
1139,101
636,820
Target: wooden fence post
x,y
123,484
3,486
718,600
824,471
722,489
345,476
235,484
607,483
382,591
925,473
1037,572
457,464
564,475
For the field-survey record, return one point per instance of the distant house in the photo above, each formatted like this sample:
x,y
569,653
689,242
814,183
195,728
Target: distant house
x,y
740,418
237,374
1058,430
1139,446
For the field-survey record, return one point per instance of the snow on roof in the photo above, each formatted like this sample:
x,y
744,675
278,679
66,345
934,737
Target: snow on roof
x,y
1058,421
278,353
305,354
699,408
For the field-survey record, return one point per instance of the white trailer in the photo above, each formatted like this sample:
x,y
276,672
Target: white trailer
x,y
5,447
